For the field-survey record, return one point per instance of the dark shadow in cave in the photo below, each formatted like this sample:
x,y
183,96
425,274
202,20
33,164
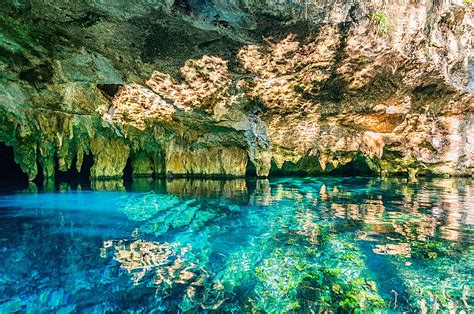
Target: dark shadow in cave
x,y
335,87
39,177
358,167
73,177
11,175
251,170
128,174
109,90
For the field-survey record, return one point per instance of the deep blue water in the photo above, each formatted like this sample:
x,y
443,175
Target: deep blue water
x,y
286,244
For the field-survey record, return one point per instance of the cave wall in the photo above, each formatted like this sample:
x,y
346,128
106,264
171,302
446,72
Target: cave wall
x,y
203,88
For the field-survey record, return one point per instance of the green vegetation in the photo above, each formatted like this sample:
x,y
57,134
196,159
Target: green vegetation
x,y
329,277
327,271
427,53
380,20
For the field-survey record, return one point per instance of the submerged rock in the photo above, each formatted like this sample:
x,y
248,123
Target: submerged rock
x,y
228,89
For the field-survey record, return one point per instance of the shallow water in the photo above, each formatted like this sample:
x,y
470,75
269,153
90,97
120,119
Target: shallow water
x,y
274,245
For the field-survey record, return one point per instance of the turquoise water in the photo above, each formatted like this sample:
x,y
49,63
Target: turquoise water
x,y
279,245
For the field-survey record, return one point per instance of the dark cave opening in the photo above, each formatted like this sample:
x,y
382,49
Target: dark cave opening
x,y
109,90
10,171
128,173
358,167
73,177
251,170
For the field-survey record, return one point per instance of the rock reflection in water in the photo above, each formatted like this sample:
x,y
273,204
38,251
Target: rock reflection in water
x,y
440,207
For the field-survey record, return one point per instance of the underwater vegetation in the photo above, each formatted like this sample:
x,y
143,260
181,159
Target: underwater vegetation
x,y
280,245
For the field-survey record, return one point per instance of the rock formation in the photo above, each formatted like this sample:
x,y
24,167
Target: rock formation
x,y
227,88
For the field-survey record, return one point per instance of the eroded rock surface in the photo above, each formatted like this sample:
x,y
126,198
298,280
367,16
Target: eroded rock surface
x,y
224,88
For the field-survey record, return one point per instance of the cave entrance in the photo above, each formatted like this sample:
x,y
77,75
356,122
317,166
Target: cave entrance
x,y
10,171
73,177
109,90
251,170
128,174
358,167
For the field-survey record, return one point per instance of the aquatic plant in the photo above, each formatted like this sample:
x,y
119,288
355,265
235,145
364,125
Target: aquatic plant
x,y
318,267
279,276
437,283
327,276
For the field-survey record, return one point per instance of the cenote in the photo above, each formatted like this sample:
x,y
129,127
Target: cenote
x,y
256,245
224,156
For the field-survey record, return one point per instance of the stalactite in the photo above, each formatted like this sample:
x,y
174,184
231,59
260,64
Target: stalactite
x,y
25,156
47,158
110,157
225,161
159,163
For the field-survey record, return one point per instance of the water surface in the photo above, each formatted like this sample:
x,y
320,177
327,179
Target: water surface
x,y
286,244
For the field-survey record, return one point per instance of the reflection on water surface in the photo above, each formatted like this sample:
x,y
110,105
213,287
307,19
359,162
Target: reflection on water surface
x,y
272,245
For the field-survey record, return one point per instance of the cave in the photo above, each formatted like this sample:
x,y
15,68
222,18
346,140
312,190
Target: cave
x,y
128,174
10,171
242,156
358,167
251,170
73,177
109,90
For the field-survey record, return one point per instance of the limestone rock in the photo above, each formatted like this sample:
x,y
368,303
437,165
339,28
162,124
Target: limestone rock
x,y
216,161
110,157
226,88
142,165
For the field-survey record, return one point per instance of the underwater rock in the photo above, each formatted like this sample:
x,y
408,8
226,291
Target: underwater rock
x,y
179,216
142,207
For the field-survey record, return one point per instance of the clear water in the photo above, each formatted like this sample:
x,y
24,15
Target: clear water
x,y
288,244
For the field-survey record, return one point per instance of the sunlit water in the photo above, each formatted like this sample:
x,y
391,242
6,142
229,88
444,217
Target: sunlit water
x,y
288,244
